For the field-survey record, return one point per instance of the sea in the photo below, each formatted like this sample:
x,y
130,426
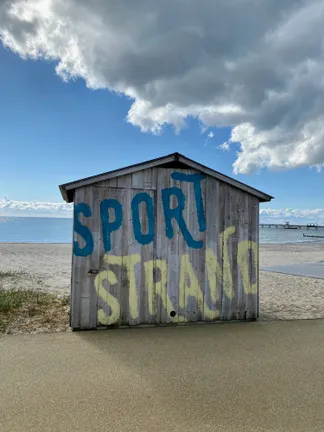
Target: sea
x,y
35,230
59,230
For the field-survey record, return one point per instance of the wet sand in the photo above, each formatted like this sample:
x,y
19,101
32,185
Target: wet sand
x,y
48,267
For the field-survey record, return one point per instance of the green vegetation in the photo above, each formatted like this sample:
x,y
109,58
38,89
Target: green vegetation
x,y
31,311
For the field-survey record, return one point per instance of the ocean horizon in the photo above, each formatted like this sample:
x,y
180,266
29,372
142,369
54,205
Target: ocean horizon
x,y
59,230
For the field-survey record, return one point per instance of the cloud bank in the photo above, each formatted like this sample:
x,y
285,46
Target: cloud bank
x,y
9,207
256,66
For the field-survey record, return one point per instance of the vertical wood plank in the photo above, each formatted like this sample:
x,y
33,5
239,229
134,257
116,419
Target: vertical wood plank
x,y
127,240
146,253
232,249
227,253
238,223
212,285
106,264
86,262
257,239
82,295
243,237
172,253
95,224
201,256
196,256
191,306
220,226
76,279
161,249
254,260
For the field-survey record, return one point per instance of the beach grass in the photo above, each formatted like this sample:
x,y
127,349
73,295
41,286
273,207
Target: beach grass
x,y
31,310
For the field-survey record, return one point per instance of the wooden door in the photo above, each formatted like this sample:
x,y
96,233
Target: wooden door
x,y
127,247
180,295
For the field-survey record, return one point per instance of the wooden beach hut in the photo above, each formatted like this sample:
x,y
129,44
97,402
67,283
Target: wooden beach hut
x,y
164,241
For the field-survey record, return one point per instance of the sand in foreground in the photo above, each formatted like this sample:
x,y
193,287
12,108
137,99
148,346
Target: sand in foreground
x,y
253,377
48,266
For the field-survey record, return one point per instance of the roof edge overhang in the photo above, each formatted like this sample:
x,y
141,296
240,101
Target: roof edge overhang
x,y
67,189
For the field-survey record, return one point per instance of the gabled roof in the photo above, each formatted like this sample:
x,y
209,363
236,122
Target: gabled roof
x,y
175,160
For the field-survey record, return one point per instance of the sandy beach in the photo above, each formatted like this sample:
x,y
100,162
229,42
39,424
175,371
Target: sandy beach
x,y
282,296
41,266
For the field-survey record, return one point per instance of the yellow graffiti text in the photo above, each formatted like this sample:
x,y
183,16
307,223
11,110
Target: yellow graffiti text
x,y
243,250
109,299
219,278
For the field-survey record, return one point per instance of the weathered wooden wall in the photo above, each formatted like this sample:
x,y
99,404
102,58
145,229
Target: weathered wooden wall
x,y
167,280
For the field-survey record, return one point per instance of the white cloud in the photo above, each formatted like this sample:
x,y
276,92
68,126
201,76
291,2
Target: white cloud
x,y
256,66
9,207
302,216
209,137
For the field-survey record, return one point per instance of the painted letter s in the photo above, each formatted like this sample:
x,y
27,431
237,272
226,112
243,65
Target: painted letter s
x,y
83,231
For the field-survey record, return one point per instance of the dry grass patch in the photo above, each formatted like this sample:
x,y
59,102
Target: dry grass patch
x,y
31,311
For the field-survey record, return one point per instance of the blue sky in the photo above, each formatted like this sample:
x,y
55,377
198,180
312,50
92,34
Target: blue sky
x,y
90,89
53,132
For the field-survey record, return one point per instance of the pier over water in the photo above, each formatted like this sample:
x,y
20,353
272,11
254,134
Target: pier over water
x,y
310,226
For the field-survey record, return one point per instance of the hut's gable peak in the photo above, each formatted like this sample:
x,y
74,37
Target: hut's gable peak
x,y
173,160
